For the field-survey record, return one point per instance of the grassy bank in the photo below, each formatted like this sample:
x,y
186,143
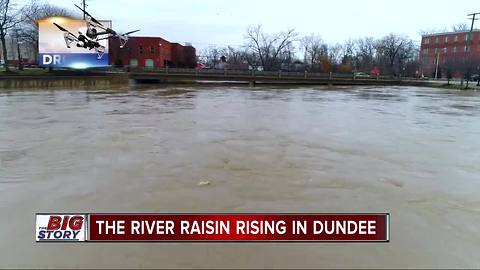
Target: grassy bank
x,y
472,86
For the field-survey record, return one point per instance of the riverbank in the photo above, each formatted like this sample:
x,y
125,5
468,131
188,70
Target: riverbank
x,y
97,79
61,79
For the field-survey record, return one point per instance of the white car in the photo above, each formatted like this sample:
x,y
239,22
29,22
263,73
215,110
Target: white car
x,y
362,75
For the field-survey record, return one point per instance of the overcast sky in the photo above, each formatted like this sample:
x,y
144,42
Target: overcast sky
x,y
222,22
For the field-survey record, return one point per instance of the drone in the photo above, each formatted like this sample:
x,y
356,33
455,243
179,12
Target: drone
x,y
105,32
82,41
96,32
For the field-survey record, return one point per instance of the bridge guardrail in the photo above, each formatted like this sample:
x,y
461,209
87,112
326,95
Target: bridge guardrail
x,y
255,73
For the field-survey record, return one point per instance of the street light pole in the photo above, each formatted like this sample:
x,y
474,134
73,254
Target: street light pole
x,y
470,43
20,62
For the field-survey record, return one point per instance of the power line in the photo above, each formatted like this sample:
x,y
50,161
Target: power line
x,y
473,17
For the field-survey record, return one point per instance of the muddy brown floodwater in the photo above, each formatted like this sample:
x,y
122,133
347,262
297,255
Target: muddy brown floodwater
x,y
412,152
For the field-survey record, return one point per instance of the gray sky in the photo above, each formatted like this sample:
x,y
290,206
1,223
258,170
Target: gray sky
x,y
222,22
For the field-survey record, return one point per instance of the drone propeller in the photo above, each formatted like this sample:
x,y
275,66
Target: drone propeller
x,y
104,38
113,34
129,33
61,28
88,14
68,36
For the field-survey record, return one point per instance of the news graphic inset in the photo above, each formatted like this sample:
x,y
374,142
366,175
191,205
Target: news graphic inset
x,y
61,228
214,228
63,42
78,44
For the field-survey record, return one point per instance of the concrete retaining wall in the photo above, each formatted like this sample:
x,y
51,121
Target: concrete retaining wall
x,y
65,82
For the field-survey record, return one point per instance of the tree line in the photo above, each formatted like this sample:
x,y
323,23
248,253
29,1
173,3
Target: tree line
x,y
287,50
18,25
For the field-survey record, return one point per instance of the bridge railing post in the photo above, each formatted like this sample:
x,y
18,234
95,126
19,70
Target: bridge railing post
x,y
225,73
166,69
354,76
306,74
330,76
280,74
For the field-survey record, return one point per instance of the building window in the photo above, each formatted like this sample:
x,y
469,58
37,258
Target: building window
x,y
140,49
455,38
437,40
425,51
149,64
446,39
436,50
152,50
426,41
133,62
467,37
454,49
445,50
467,49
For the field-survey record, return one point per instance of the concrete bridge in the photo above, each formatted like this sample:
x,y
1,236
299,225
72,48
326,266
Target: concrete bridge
x,y
114,77
257,77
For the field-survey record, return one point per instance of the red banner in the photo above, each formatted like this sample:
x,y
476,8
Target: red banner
x,y
239,227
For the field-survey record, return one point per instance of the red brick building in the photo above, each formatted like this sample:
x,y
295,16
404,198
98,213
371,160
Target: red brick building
x,y
151,52
457,54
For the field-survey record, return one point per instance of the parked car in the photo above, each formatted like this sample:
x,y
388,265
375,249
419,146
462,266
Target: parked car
x,y
362,75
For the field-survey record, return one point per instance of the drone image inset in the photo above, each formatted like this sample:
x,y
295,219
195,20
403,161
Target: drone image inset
x,y
96,32
82,41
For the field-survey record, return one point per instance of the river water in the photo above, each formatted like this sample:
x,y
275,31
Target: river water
x,y
411,152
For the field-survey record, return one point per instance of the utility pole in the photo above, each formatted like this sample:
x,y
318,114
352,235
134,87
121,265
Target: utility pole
x,y
473,16
84,6
470,44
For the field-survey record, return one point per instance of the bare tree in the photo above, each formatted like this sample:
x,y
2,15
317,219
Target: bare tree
x,y
334,53
409,60
365,52
460,27
234,55
236,58
269,47
287,57
251,59
432,31
314,48
468,67
10,17
212,55
395,49
348,53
